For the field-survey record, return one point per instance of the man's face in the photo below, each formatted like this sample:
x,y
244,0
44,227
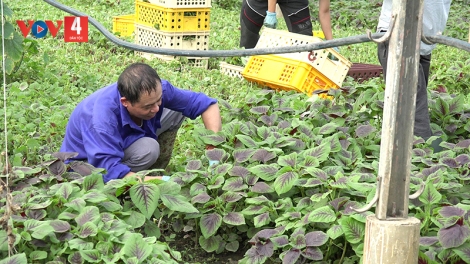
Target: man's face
x,y
147,106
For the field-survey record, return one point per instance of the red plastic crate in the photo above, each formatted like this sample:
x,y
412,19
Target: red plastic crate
x,y
362,72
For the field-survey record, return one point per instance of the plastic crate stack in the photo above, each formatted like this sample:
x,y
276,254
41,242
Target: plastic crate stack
x,y
173,24
304,72
123,25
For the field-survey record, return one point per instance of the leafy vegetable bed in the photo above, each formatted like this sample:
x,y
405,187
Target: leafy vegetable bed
x,y
290,172
290,168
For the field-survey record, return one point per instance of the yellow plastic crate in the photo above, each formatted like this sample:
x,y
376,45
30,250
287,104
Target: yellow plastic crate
x,y
172,19
282,73
182,3
335,70
124,25
319,34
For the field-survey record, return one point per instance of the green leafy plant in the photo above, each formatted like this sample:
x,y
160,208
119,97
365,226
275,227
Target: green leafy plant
x,y
299,247
78,218
15,44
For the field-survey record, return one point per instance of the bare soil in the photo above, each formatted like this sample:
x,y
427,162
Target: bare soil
x,y
192,253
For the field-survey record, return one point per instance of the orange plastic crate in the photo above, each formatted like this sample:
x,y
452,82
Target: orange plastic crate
x,y
124,25
172,19
286,74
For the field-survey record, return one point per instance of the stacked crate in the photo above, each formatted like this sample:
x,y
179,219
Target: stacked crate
x,y
124,25
173,24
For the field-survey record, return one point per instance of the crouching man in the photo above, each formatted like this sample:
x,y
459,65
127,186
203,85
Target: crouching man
x,y
131,125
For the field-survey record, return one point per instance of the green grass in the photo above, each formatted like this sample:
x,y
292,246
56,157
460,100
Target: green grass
x,y
62,73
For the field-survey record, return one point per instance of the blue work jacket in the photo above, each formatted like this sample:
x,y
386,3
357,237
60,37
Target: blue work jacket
x,y
100,128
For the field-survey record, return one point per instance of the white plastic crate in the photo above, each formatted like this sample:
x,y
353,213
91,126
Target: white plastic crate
x,y
172,19
335,70
190,61
231,70
150,37
182,3
271,38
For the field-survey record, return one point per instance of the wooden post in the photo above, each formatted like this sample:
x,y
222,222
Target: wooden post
x,y
391,236
399,108
390,242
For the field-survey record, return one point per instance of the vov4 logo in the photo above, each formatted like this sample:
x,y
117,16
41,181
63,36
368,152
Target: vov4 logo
x,y
75,28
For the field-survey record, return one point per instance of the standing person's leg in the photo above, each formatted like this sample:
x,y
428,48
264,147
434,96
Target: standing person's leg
x,y
251,20
425,61
382,55
171,121
422,126
297,16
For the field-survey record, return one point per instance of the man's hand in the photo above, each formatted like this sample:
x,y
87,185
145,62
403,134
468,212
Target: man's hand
x,y
213,163
270,20
149,178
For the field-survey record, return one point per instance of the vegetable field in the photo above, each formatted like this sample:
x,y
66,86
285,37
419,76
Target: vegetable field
x,y
291,168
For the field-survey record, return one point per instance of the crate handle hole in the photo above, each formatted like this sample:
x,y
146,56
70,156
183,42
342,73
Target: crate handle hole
x,y
189,37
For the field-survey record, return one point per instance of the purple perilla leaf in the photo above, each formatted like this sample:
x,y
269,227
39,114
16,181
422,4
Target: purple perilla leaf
x,y
428,241
364,131
453,236
448,211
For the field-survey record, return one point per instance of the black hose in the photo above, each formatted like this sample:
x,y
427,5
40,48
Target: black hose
x,y
247,52
456,43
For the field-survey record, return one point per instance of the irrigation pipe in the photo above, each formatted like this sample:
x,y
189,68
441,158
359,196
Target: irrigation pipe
x,y
248,52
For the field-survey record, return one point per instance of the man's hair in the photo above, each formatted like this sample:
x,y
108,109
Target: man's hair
x,y
136,79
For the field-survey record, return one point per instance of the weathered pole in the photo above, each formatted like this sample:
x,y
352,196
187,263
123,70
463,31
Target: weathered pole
x,y
391,236
469,34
